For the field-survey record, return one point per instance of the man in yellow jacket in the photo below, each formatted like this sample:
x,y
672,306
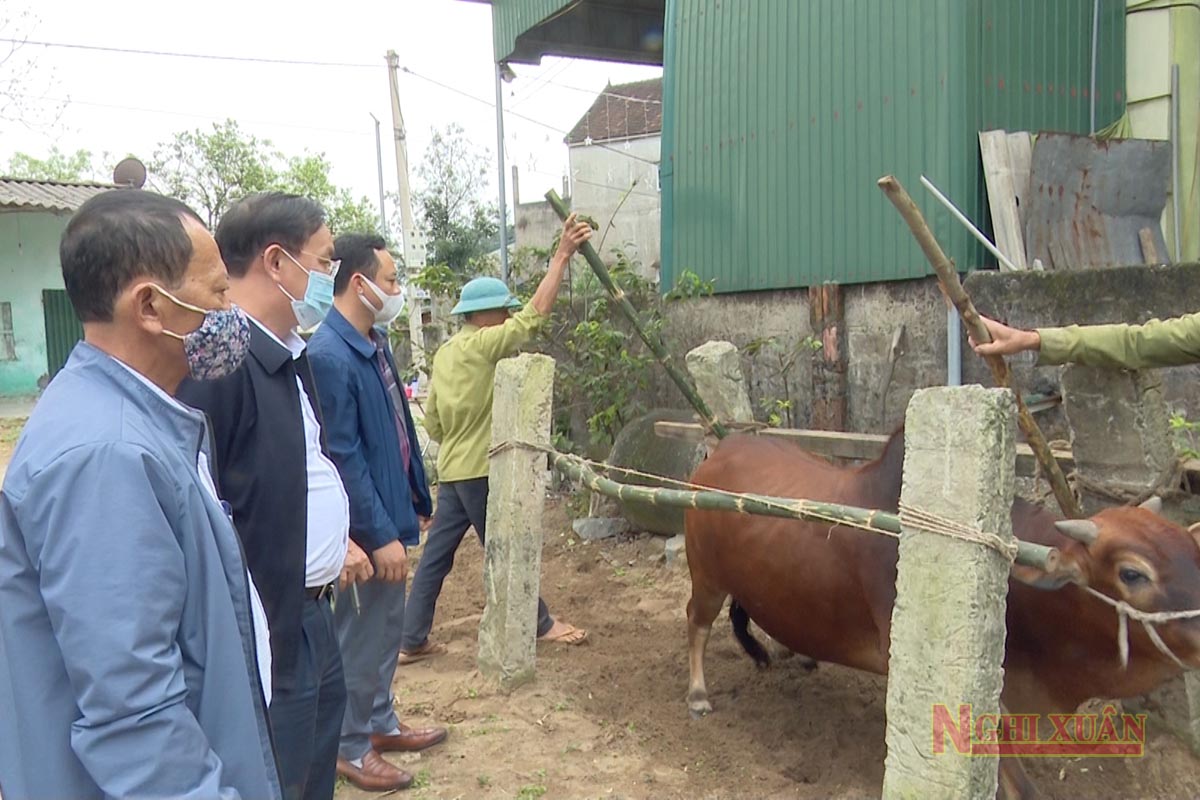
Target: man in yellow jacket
x,y
458,415
1158,343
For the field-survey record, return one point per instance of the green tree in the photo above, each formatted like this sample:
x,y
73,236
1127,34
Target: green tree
x,y
210,169
460,227
308,175
56,166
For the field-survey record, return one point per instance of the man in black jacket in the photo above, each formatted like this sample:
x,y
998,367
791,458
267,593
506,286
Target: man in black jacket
x,y
273,468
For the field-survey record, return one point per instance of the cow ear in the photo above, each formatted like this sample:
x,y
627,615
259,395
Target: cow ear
x,y
1067,571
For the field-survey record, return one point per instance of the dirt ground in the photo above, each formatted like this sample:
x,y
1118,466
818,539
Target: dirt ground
x,y
608,720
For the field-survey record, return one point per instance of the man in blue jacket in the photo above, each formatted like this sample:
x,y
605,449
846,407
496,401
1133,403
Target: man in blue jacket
x,y
133,652
373,443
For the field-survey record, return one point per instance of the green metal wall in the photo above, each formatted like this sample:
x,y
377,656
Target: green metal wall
x,y
779,118
511,18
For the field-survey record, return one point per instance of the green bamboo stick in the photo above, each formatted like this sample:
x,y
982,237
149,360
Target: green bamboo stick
x,y
1028,553
653,342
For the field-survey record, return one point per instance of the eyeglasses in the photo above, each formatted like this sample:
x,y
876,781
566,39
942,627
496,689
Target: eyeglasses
x,y
328,265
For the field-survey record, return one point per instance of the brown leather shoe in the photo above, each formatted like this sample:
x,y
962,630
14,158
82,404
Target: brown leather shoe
x,y
408,740
375,775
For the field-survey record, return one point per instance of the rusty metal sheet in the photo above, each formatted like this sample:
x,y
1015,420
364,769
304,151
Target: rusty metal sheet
x,y
1089,199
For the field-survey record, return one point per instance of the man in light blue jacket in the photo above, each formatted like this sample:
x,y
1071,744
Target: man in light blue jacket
x,y
133,651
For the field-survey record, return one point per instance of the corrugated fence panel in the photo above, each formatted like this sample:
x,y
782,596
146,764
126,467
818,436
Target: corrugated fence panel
x,y
511,18
781,116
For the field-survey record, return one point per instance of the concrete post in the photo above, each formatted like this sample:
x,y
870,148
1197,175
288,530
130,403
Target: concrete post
x,y
1120,429
947,635
512,563
716,367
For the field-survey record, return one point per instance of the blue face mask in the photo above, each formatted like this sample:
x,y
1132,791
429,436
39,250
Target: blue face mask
x,y
318,297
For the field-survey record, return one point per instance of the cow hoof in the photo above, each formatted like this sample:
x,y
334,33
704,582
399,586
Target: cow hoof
x,y
699,709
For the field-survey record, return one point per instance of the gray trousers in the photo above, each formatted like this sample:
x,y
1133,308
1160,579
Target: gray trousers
x,y
460,505
370,642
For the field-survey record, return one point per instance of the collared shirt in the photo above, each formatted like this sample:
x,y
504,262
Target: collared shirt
x,y
393,390
459,411
262,633
328,506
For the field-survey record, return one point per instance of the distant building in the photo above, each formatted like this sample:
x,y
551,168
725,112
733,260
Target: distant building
x,y
614,150
38,326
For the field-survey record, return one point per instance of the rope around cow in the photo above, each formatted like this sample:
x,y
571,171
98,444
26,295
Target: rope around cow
x,y
910,517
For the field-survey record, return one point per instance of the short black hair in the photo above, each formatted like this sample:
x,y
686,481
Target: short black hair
x,y
357,252
117,237
254,223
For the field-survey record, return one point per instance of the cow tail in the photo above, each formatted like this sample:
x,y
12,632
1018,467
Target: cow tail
x,y
741,629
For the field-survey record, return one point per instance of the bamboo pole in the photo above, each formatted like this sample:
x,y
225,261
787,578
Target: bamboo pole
x,y
653,342
1028,553
953,289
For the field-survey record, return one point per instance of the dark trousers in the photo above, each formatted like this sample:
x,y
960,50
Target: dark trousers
x,y
460,505
307,705
370,642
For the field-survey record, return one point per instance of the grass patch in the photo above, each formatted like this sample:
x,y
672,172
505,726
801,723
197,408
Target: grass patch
x,y
531,791
10,430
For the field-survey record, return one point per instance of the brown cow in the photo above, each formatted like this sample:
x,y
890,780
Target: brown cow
x,y
827,592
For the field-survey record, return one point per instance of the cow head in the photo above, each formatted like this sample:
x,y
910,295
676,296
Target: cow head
x,y
1136,555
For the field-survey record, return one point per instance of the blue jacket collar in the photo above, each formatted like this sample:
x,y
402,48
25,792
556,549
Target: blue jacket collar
x,y
185,424
342,327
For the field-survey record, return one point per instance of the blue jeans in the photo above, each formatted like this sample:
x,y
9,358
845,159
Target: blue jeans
x,y
460,505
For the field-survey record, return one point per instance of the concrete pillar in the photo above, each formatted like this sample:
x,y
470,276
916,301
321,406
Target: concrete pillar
x,y
716,367
947,635
1120,429
517,475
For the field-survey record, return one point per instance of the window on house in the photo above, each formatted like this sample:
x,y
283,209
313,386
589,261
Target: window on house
x,y
8,342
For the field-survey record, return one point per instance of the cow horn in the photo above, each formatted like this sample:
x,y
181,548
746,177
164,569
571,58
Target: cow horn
x,y
1081,530
1153,505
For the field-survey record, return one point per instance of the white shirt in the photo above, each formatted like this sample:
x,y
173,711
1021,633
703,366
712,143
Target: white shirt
x,y
262,632
328,504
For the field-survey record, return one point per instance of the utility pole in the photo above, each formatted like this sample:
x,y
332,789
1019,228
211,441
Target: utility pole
x,y
500,161
414,249
383,225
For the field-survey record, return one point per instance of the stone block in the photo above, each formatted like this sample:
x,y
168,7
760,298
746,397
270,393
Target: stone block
x,y
716,367
595,528
521,413
948,627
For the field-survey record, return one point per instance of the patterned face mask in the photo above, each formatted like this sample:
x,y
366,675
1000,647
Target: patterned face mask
x,y
218,347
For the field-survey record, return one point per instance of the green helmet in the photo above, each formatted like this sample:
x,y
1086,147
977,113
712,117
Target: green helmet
x,y
485,294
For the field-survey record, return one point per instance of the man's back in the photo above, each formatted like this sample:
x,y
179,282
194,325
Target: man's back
x,y
459,416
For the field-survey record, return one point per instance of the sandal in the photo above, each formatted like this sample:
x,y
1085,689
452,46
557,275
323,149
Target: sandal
x,y
571,635
427,650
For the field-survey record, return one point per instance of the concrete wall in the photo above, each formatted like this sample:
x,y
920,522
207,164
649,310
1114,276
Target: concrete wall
x,y
600,177
536,225
28,264
872,312
1050,299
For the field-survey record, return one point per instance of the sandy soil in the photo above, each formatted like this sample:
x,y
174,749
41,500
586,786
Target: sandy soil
x,y
608,719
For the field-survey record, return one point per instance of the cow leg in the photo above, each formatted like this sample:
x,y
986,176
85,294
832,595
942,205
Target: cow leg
x,y
1014,783
702,609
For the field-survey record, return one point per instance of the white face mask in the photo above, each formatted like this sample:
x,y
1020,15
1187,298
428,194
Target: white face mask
x,y
393,304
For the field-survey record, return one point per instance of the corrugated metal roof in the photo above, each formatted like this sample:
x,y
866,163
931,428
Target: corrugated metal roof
x,y
626,111
48,195
781,116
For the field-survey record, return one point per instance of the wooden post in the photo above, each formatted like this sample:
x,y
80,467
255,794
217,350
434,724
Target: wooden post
x,y
947,635
953,290
521,411
829,363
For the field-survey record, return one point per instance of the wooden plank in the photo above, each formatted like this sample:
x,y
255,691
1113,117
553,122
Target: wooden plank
x,y
839,444
1020,159
1149,249
1002,198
